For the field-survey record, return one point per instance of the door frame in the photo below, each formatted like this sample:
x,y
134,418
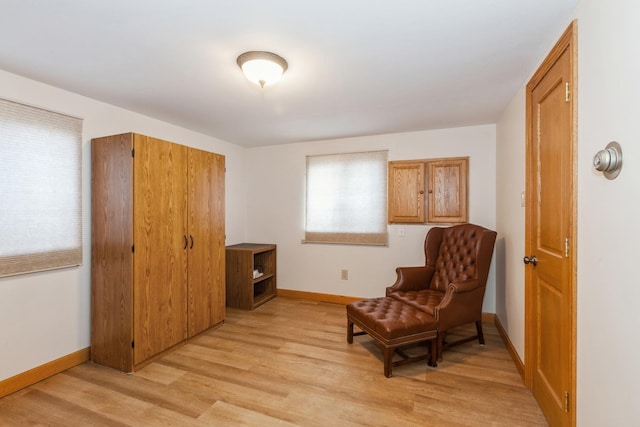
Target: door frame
x,y
568,40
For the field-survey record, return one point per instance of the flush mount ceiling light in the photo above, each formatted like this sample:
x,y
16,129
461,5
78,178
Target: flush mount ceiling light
x,y
263,68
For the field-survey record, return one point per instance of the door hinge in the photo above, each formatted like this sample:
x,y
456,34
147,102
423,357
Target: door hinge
x,y
133,344
133,152
566,401
566,247
133,248
567,92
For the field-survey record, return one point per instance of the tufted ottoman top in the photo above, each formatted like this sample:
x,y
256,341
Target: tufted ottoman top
x,y
391,318
424,300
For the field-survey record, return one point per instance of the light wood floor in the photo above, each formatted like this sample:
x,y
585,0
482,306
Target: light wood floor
x,y
286,363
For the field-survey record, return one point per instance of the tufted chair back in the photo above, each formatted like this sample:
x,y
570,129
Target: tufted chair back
x,y
458,253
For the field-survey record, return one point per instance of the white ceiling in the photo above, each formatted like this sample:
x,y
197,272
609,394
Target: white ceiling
x,y
356,67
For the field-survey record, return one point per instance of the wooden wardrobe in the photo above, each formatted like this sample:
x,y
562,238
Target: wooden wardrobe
x,y
157,247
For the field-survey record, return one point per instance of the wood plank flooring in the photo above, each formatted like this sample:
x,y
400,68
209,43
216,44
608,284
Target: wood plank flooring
x,y
287,363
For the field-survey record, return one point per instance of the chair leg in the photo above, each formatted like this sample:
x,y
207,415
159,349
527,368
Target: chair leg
x,y
349,331
388,356
433,357
480,334
440,346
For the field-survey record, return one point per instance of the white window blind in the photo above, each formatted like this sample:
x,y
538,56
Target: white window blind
x,y
40,189
347,198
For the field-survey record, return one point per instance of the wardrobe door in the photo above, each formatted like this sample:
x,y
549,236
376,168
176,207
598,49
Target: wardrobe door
x,y
160,246
206,240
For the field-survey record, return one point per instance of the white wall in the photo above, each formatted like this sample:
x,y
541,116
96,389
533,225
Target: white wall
x,y
608,323
276,205
608,214
510,184
44,316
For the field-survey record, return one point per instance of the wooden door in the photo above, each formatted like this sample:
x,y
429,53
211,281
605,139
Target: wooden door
x,y
206,240
550,235
406,192
160,263
447,182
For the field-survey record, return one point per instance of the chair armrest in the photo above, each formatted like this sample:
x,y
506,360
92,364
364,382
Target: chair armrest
x,y
462,303
464,286
411,279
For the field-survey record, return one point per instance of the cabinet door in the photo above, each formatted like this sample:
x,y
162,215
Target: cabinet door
x,y
160,263
206,240
447,190
406,192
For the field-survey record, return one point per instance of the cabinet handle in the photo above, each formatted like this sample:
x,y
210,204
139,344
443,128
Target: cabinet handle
x,y
191,237
186,242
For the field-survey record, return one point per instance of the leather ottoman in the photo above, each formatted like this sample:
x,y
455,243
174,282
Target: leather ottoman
x,y
393,324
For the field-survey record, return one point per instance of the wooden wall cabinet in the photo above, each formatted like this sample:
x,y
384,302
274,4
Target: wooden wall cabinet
x,y
157,242
444,182
244,289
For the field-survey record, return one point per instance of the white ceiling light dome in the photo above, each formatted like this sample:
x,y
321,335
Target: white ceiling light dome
x,y
263,68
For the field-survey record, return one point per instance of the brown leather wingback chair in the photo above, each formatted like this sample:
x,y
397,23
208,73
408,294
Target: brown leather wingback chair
x,y
451,284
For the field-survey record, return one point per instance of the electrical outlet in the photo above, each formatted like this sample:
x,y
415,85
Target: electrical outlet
x,y
345,274
401,231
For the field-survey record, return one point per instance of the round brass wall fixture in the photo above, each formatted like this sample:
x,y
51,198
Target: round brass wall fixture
x,y
609,160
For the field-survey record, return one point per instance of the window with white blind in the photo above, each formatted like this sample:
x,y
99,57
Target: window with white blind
x,y
347,198
40,189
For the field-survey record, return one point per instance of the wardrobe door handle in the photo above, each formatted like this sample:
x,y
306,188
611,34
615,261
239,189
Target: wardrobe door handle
x,y
191,237
186,242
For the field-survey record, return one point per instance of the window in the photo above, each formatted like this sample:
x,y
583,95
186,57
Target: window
x,y
347,198
40,189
